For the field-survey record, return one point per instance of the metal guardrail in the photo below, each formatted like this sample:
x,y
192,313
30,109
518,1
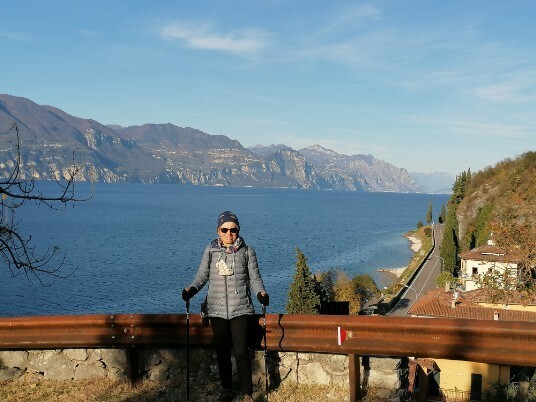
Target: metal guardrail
x,y
496,342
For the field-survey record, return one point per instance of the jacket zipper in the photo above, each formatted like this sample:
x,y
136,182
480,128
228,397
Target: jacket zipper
x,y
226,298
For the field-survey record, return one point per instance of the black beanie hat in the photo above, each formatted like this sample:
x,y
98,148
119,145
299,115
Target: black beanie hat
x,y
227,216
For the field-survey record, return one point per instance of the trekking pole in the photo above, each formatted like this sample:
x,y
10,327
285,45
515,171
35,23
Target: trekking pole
x,y
188,350
265,349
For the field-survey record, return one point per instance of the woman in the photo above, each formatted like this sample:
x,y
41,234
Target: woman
x,y
233,274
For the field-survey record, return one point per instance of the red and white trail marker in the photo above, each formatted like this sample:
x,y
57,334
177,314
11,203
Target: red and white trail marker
x,y
341,336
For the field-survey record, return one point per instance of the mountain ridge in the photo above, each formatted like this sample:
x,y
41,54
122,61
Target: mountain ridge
x,y
165,153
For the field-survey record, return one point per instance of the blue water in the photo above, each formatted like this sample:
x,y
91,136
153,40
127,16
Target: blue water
x,y
132,247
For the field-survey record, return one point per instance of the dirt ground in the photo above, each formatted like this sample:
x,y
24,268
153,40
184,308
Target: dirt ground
x,y
105,390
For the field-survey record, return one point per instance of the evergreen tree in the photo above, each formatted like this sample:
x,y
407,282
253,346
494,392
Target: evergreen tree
x,y
459,188
450,245
443,214
429,213
302,297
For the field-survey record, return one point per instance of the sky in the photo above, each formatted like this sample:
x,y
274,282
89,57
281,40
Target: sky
x,y
426,85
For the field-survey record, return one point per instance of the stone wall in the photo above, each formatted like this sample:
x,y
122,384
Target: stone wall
x,y
67,364
382,374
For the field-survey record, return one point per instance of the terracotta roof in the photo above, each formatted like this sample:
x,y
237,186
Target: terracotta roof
x,y
438,303
427,364
492,253
481,296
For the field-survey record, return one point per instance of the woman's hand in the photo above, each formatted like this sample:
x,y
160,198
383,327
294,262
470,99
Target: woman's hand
x,y
188,293
263,298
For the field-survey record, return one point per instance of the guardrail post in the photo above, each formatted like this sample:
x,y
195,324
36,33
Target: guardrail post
x,y
354,379
133,365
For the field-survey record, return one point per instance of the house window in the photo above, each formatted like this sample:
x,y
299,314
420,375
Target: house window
x,y
475,271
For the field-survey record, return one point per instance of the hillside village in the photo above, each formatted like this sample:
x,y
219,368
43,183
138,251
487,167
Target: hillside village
x,y
489,250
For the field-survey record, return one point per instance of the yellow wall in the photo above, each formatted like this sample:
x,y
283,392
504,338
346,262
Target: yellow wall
x,y
457,374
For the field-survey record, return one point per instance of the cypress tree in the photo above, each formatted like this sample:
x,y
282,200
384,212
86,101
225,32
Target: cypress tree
x,y
469,176
429,213
450,244
443,214
459,188
302,297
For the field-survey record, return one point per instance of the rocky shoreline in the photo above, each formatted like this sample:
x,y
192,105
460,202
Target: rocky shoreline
x,y
416,242
415,246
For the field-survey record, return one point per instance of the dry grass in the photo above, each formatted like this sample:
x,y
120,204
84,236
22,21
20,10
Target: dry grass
x,y
106,390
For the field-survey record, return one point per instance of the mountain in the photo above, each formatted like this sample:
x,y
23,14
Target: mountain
x,y
267,150
434,183
358,172
51,138
52,141
499,203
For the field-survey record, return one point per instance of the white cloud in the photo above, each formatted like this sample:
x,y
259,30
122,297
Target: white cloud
x,y
196,36
17,36
473,128
351,17
518,90
457,57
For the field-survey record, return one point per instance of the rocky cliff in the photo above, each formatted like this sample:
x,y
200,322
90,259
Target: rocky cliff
x,y
53,141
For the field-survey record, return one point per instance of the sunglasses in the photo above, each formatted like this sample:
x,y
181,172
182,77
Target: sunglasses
x,y
232,230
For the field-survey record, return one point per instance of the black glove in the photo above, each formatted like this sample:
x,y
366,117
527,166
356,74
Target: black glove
x,y
263,299
188,294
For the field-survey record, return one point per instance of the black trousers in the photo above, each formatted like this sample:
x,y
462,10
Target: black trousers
x,y
233,334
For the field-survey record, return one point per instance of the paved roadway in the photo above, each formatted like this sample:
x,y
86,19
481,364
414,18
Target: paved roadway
x,y
425,280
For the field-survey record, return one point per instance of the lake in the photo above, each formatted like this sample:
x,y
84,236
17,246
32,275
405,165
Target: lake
x,y
132,247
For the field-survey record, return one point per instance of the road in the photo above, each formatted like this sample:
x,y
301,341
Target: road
x,y
425,280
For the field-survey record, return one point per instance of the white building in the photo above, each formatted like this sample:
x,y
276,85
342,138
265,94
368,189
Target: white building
x,y
503,264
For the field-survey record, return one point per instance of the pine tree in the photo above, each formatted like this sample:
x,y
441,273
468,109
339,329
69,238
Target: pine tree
x,y
302,298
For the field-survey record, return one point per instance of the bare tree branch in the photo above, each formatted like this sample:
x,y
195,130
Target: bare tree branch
x,y
16,249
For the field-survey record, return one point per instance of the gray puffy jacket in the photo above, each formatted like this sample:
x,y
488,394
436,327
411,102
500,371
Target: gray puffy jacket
x,y
229,296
